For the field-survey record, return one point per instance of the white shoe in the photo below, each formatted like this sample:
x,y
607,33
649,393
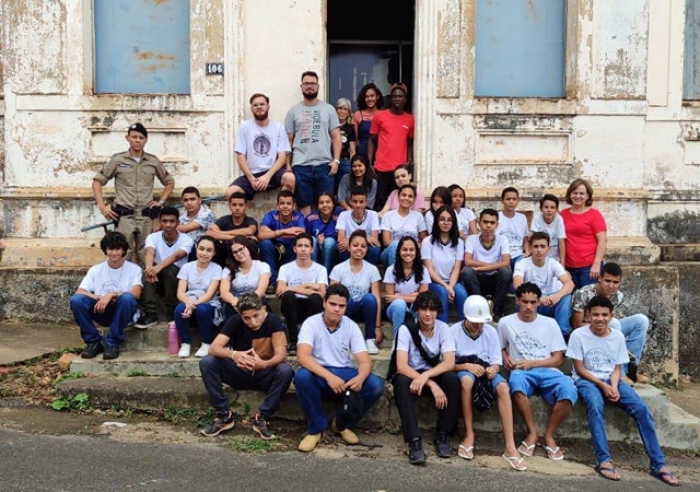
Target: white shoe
x,y
203,350
184,350
371,347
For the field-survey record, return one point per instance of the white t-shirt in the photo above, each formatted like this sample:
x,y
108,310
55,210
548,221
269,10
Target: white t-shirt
x,y
359,283
101,279
536,340
346,223
443,256
547,277
440,343
163,250
409,286
198,283
487,346
515,229
494,254
293,275
464,217
399,226
600,355
332,349
247,282
555,230
261,144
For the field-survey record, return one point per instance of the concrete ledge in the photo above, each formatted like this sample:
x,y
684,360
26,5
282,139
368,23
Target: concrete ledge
x,y
675,428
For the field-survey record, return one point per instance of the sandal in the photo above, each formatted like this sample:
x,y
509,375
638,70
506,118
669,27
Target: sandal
x,y
601,470
526,449
666,477
552,453
466,453
515,462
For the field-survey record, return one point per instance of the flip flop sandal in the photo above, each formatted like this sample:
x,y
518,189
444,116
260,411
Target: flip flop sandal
x,y
468,453
664,476
526,449
552,453
601,469
515,462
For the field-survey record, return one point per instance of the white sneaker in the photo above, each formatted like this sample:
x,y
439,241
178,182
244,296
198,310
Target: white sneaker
x,y
184,350
371,347
203,350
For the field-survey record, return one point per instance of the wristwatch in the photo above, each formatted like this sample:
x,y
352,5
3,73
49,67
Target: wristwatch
x,y
161,202
336,160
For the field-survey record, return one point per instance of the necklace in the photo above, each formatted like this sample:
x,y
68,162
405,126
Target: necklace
x,y
110,270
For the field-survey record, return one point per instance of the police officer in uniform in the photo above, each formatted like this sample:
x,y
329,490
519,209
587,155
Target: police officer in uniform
x,y
134,172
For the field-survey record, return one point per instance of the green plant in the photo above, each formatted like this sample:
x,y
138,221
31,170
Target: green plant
x,y
177,415
173,375
67,376
250,445
79,402
136,372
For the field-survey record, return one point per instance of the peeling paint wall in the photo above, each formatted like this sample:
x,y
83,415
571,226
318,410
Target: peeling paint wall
x,y
623,123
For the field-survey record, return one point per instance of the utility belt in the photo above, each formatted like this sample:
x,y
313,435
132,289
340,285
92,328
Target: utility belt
x,y
151,212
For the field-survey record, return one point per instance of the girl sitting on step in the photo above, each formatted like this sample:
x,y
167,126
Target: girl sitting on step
x,y
243,272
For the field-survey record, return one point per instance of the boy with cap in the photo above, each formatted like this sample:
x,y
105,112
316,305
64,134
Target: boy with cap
x,y
134,207
477,363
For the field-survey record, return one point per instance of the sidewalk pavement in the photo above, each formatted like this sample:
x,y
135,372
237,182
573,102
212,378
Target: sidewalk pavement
x,y
23,341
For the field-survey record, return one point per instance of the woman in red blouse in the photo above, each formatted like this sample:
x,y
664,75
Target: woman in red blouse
x,y
586,237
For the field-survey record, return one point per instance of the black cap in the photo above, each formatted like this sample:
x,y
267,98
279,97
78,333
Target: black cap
x,y
138,127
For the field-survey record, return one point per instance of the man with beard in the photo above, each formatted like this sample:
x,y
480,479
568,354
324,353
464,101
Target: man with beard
x,y
313,129
261,152
391,142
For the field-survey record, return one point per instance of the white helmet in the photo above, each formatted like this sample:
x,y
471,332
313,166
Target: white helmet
x,y
476,309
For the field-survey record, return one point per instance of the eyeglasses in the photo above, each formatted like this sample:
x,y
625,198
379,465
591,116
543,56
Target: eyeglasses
x,y
237,251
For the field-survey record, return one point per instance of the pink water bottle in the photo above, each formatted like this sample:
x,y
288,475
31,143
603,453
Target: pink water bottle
x,y
173,339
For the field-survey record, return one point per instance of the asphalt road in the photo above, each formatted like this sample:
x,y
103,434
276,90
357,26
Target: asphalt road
x,y
88,463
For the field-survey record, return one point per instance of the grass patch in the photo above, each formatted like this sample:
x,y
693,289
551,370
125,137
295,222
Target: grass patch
x,y
176,415
173,375
253,445
136,372
68,376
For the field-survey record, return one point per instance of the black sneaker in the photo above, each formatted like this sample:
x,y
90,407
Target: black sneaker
x,y
271,290
111,352
223,421
416,455
261,426
145,321
443,448
92,349
292,348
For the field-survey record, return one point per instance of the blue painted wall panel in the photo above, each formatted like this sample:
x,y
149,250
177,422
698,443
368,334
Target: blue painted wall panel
x,y
142,46
520,48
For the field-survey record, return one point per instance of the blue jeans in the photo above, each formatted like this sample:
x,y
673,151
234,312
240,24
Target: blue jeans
x,y
117,315
270,255
396,312
632,405
388,256
373,254
203,315
364,310
552,384
343,168
460,299
310,182
634,328
311,388
582,276
561,312
326,254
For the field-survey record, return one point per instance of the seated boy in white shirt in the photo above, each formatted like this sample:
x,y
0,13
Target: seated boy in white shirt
x,y
598,352
549,221
552,279
359,218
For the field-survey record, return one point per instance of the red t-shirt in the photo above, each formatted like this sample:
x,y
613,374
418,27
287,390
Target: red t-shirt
x,y
581,242
393,132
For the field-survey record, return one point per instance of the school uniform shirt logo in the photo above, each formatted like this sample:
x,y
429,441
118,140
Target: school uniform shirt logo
x,y
262,145
530,347
598,360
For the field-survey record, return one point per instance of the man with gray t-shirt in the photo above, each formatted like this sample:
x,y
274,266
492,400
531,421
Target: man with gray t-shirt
x,y
313,129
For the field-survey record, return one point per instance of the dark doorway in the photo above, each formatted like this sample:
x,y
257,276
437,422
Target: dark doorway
x,y
369,41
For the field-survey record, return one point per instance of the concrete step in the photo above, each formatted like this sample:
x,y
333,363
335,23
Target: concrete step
x,y
165,364
675,428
